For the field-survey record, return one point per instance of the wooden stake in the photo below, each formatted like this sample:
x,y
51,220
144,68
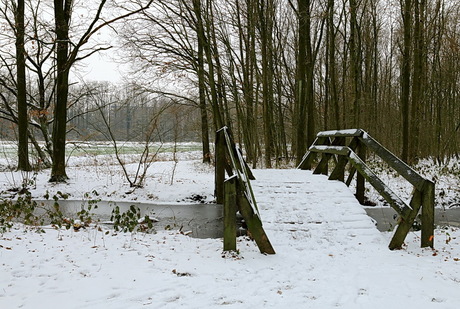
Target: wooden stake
x,y
230,209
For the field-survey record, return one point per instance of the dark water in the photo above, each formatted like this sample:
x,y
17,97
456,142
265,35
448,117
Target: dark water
x,y
385,217
206,220
203,220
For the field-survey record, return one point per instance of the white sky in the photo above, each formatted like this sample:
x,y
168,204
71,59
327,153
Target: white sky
x,y
100,67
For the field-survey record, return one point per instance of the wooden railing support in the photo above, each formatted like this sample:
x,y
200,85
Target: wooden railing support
x,y
355,154
230,209
236,193
428,214
221,162
360,179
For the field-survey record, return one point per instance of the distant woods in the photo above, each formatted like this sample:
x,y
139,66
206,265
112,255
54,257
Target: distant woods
x,y
273,71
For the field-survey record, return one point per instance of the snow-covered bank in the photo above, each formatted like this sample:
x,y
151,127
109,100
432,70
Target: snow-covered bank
x,y
328,252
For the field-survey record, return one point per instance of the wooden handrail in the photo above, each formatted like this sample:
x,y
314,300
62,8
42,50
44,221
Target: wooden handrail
x,y
331,144
236,193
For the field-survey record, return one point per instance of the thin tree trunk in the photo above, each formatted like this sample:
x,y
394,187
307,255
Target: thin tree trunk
x,y
406,76
23,148
62,10
266,27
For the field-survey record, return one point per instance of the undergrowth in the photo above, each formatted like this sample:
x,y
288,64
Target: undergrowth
x,y
26,210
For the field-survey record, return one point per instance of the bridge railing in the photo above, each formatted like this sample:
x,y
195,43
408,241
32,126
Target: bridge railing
x,y
351,146
236,194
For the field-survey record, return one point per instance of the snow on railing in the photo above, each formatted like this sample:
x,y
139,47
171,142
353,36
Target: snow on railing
x,y
332,145
236,193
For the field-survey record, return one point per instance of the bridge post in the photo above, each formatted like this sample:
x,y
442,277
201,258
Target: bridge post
x,y
360,180
428,214
221,162
405,223
230,209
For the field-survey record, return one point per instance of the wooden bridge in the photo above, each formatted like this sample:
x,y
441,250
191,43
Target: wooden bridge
x,y
316,204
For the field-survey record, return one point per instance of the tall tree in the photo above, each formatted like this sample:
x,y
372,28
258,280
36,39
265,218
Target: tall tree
x,y
331,95
355,64
266,13
23,141
202,83
65,59
418,81
406,11
304,124
62,14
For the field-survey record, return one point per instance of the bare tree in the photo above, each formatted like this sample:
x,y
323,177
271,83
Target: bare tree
x,y
65,59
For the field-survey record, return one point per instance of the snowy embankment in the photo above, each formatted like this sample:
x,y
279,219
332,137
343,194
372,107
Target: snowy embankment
x,y
329,254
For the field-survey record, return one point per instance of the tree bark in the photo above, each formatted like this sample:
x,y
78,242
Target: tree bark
x,y
62,11
202,96
266,28
406,8
304,110
23,148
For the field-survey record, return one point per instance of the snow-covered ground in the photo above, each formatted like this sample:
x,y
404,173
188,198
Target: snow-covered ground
x,y
328,252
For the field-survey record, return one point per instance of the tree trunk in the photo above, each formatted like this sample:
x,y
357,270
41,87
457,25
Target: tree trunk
x,y
406,76
23,148
355,65
418,81
266,27
203,108
331,71
62,17
304,106
203,40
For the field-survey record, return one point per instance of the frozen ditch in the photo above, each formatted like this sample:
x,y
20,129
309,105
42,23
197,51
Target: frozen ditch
x,y
201,220
385,217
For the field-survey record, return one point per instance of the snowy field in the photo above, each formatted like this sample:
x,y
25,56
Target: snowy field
x,y
328,252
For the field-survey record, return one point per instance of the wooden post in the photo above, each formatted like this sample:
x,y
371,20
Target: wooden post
x,y
254,223
405,224
360,180
310,156
428,215
351,174
339,171
230,208
221,163
322,167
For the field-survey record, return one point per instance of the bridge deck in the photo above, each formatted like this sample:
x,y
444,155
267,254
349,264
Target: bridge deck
x,y
298,204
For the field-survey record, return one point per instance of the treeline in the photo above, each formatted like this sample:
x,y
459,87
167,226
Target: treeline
x,y
278,71
274,71
129,114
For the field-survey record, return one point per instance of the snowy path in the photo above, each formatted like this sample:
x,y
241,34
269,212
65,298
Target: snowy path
x,y
329,255
307,206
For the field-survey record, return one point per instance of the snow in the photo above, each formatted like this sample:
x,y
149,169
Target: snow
x,y
328,252
348,132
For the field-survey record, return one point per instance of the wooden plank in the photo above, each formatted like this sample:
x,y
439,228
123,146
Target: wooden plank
x,y
395,202
341,133
350,176
337,150
402,168
248,188
428,215
307,160
221,163
245,165
230,209
405,224
339,171
310,157
254,223
360,179
322,166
